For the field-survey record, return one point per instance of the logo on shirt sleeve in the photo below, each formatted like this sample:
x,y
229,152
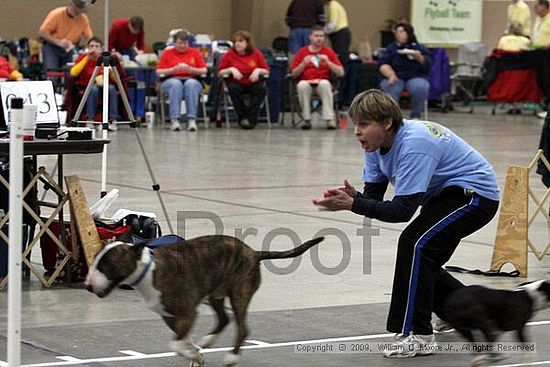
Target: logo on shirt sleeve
x,y
437,130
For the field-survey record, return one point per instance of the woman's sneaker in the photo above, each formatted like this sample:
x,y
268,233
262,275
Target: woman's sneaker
x,y
113,126
175,126
305,125
408,346
191,125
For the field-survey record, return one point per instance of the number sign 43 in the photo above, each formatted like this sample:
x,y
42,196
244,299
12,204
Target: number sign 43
x,y
38,93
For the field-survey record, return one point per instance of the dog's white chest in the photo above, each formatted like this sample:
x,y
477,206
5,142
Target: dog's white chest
x,y
151,295
154,304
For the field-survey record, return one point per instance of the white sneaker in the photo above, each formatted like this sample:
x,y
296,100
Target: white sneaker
x,y
542,114
305,125
191,125
175,125
331,124
113,126
244,123
410,346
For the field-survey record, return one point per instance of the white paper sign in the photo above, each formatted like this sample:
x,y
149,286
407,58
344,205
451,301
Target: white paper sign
x,y
447,21
38,93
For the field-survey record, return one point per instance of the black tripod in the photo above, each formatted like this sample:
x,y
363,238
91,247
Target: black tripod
x,y
109,64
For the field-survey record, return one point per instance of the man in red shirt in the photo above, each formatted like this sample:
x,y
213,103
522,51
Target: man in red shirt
x,y
313,66
127,36
179,66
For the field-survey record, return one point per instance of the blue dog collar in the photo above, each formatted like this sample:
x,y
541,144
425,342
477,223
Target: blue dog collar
x,y
146,269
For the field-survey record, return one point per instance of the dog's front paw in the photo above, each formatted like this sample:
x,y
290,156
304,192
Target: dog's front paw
x,y
197,362
186,348
207,340
230,359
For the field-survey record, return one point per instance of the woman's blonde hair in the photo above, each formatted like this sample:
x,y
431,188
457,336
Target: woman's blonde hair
x,y
515,28
375,105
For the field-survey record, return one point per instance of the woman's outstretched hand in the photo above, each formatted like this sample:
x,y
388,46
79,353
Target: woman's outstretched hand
x,y
335,199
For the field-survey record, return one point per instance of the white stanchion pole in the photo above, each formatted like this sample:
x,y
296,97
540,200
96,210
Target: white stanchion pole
x,y
14,233
105,121
106,25
105,99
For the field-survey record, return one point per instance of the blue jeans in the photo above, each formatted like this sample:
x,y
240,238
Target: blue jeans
x,y
298,38
418,89
180,89
55,57
96,94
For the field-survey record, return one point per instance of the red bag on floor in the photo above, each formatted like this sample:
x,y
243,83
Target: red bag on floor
x,y
53,255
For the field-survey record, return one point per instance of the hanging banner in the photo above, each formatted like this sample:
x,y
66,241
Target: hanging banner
x,y
447,21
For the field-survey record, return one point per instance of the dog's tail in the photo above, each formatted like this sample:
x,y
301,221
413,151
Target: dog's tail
x,y
297,251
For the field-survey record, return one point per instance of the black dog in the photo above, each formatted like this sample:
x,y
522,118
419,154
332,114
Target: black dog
x,y
495,311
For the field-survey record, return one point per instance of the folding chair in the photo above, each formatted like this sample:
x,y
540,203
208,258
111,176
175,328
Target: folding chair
x,y
59,77
295,111
228,104
162,100
406,96
467,73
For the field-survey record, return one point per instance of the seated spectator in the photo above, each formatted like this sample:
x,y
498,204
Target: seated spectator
x,y
83,70
541,29
244,65
62,30
541,41
7,71
405,64
179,66
514,40
313,66
518,12
127,36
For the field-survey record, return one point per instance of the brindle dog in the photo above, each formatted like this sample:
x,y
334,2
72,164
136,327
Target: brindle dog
x,y
175,278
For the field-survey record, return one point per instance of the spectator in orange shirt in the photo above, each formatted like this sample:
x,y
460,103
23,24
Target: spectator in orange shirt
x,y
7,71
313,66
244,65
127,36
62,30
179,66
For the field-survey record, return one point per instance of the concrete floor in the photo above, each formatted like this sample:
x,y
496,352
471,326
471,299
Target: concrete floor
x,y
262,181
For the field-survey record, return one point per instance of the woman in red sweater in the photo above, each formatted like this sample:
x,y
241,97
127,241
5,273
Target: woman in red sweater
x,y
244,67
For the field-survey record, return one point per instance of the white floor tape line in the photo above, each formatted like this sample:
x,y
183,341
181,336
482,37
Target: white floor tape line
x,y
131,355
